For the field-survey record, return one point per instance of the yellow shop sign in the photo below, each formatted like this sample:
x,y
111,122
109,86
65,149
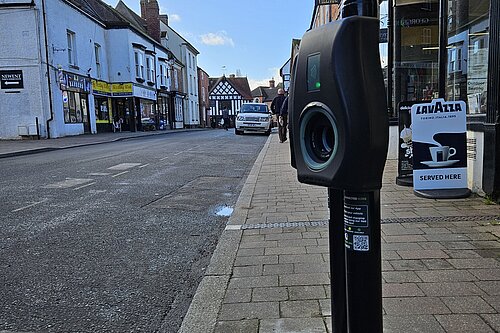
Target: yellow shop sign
x,y
121,89
101,87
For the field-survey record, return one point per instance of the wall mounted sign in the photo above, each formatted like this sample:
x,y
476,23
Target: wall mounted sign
x,y
144,93
439,145
11,79
121,89
101,88
75,82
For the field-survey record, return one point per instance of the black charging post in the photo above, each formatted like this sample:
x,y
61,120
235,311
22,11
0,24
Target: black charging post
x,y
337,260
339,133
362,217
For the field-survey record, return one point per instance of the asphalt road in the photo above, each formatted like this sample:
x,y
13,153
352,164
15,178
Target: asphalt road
x,y
115,237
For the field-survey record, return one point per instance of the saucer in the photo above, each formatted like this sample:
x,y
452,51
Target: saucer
x,y
433,164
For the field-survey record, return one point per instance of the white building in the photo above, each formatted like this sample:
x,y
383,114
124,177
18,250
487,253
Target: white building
x,y
74,66
186,52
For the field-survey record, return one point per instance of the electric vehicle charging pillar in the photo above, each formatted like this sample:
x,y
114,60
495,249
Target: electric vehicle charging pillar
x,y
339,136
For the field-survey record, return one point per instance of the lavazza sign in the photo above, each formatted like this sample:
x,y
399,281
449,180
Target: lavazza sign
x,y
439,145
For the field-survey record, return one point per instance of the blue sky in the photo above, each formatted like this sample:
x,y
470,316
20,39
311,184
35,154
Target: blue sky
x,y
253,37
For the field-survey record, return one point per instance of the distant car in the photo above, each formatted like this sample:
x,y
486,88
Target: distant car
x,y
253,117
148,124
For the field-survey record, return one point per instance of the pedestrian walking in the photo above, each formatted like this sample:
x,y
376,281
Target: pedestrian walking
x,y
277,103
225,118
283,120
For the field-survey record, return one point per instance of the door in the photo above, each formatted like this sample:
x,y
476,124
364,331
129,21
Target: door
x,y
86,115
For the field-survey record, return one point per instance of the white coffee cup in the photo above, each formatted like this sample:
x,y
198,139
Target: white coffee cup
x,y
442,153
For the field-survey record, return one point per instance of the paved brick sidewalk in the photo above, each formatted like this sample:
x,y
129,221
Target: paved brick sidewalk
x,y
270,272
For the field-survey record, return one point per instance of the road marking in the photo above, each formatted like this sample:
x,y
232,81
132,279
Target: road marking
x,y
233,227
179,153
99,174
69,182
119,174
29,206
124,166
83,186
143,166
164,158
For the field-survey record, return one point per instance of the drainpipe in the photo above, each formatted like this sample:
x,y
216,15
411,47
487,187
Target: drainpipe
x,y
51,107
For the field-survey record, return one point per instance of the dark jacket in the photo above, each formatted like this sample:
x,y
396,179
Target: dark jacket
x,y
284,107
277,103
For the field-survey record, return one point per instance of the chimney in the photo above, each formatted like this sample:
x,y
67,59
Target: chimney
x,y
232,76
271,83
150,11
164,18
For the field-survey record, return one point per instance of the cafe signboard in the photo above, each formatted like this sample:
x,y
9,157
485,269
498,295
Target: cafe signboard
x,y
439,145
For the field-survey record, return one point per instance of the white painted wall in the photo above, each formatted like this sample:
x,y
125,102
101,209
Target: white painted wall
x,y
20,50
60,18
183,53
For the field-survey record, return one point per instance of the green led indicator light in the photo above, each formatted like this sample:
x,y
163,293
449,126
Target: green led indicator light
x,y
318,85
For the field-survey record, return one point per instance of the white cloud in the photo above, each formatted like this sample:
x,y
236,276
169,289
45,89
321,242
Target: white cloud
x,y
216,39
174,18
273,73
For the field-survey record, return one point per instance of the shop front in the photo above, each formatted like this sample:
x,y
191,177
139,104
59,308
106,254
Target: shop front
x,y
145,105
176,117
75,94
450,49
163,110
102,106
123,114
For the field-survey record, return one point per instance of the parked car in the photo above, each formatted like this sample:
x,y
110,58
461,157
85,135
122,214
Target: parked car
x,y
148,124
253,117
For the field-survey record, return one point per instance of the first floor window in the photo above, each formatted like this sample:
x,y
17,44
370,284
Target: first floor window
x,y
149,69
139,64
97,49
71,39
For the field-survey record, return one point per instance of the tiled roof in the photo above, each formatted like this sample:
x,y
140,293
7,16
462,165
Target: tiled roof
x,y
100,11
239,83
266,93
242,86
137,21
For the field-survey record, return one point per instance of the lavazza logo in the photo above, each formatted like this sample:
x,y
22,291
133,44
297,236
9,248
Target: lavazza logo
x,y
439,107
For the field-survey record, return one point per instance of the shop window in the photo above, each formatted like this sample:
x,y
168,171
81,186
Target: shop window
x,y
71,39
74,105
101,109
468,38
97,52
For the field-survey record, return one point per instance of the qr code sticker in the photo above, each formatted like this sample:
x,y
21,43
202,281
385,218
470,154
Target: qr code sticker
x,y
360,243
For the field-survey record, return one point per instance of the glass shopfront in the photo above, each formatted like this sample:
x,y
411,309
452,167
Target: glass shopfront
x,y
417,50
75,92
162,104
468,46
101,91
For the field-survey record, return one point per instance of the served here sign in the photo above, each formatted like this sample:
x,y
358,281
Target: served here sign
x,y
439,145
